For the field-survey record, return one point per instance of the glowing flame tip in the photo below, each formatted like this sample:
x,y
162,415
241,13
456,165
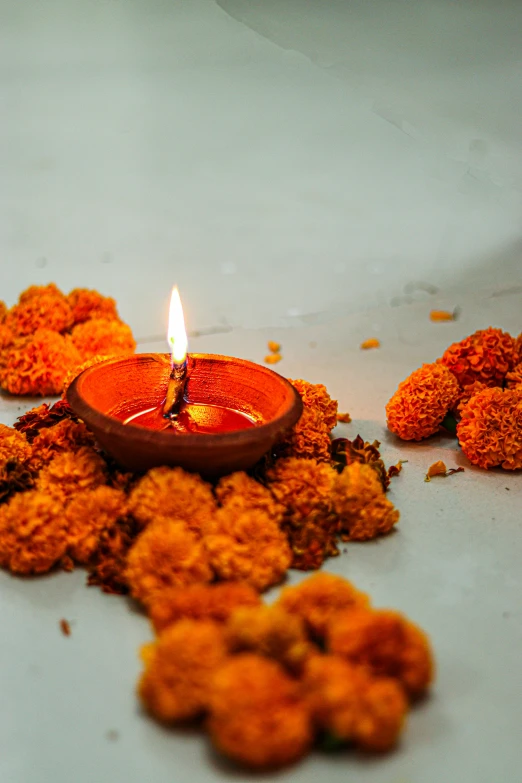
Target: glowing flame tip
x,y
177,336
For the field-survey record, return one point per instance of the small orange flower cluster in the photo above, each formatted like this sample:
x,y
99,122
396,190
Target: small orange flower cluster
x,y
318,666
478,382
47,336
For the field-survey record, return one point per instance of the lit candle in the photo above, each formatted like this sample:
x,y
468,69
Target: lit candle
x,y
178,343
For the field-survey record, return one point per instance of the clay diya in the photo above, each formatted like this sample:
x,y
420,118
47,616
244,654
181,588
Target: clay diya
x,y
238,411
207,413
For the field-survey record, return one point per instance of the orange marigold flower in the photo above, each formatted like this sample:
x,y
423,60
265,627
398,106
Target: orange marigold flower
x,y
468,392
257,716
319,598
419,405
309,438
247,545
269,631
6,337
361,506
32,533
100,336
490,430
514,378
386,643
87,515
303,488
37,365
37,291
241,491
40,312
353,706
315,396
179,667
66,435
13,445
3,311
70,472
200,602
72,374
87,304
172,493
486,355
165,555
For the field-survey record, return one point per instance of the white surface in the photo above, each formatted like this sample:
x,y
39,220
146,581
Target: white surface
x,y
284,163
367,145
453,566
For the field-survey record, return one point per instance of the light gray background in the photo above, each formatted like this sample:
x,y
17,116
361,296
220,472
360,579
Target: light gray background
x,y
302,169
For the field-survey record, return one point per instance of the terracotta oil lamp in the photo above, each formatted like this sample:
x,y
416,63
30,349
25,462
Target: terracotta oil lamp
x,y
206,413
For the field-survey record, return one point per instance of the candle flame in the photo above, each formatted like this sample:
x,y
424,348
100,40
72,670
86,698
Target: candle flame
x,y
177,336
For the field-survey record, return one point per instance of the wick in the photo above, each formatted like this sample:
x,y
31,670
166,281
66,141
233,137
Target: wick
x,y
175,390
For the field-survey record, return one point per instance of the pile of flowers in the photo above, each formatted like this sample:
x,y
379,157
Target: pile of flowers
x,y
475,390
320,666
47,335
269,682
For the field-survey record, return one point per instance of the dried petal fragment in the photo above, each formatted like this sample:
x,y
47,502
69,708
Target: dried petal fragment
x,y
439,469
272,358
344,418
274,347
371,343
43,416
443,315
345,452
